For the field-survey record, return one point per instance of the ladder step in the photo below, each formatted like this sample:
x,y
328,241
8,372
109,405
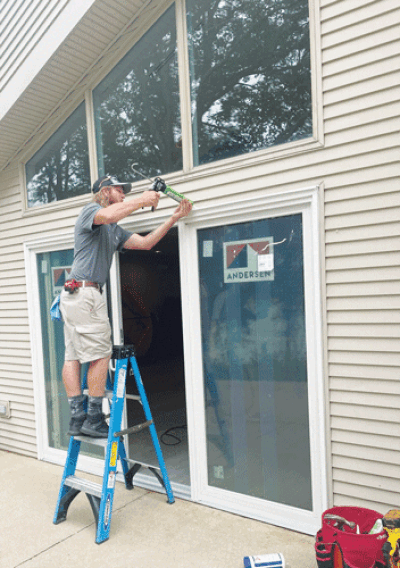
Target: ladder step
x,y
133,397
94,441
84,485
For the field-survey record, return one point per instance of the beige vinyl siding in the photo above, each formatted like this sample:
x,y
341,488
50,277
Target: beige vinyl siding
x,y
358,167
22,24
17,434
361,62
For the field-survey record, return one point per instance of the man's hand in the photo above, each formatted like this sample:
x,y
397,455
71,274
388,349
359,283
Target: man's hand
x,y
147,242
183,210
150,198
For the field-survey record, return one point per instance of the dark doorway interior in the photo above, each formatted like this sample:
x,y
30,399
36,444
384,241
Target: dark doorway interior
x,y
152,320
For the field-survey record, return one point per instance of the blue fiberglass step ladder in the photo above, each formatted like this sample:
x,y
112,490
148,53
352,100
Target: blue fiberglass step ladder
x,y
101,496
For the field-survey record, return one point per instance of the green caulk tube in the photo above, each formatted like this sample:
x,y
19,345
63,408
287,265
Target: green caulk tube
x,y
175,195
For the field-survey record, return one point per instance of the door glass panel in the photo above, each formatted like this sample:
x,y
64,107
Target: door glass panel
x,y
255,360
53,270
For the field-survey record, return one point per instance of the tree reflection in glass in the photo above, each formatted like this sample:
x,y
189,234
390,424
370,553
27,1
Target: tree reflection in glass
x,y
250,75
137,107
60,169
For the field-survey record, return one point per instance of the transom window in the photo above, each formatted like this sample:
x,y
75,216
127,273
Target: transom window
x,y
136,107
250,87
60,169
250,75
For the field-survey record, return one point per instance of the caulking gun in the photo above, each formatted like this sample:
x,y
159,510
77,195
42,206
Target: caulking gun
x,y
159,184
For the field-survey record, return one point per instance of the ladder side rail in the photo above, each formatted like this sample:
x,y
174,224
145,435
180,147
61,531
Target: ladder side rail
x,y
152,428
74,446
69,469
124,463
113,448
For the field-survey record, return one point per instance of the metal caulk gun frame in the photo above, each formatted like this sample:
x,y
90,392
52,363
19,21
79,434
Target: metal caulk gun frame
x,y
159,184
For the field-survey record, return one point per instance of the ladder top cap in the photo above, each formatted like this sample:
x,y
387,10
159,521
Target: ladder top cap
x,y
123,351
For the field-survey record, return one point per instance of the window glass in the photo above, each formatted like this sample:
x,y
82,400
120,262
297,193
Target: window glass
x,y
255,359
137,107
60,169
250,75
53,270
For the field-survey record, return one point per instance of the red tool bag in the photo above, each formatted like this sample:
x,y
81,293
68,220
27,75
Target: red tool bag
x,y
344,540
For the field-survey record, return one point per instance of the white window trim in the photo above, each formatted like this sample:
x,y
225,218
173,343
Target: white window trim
x,y
306,202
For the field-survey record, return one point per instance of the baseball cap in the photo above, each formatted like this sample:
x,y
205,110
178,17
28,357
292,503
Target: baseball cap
x,y
108,180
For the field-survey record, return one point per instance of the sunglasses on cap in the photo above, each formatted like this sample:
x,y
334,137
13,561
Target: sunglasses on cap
x,y
107,181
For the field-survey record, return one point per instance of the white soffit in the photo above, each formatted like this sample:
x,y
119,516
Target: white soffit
x,y
29,48
59,68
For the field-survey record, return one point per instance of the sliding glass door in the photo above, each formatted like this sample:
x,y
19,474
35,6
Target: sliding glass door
x,y
254,358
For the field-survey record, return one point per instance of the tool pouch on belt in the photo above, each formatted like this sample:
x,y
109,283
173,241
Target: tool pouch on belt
x,y
70,286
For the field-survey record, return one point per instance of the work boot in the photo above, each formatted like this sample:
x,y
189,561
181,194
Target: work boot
x,y
78,414
75,424
95,424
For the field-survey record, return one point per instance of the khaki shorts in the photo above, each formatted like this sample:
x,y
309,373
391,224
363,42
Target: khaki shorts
x,y
87,329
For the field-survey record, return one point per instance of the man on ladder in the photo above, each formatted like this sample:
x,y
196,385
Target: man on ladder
x,y
86,325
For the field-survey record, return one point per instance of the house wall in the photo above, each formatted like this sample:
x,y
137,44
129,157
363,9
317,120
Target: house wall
x,y
360,54
358,167
18,433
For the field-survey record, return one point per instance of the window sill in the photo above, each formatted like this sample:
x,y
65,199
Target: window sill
x,y
197,172
68,203
255,158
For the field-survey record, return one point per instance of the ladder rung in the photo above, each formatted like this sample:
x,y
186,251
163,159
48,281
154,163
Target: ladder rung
x,y
133,429
84,485
94,441
133,462
133,397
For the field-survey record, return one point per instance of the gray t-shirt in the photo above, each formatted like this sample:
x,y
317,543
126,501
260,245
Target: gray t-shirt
x,y
95,246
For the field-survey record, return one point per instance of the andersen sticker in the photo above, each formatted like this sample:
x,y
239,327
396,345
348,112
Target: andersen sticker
x,y
251,260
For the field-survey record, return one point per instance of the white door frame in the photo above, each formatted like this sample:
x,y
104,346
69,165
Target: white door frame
x,y
306,202
142,224
220,212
